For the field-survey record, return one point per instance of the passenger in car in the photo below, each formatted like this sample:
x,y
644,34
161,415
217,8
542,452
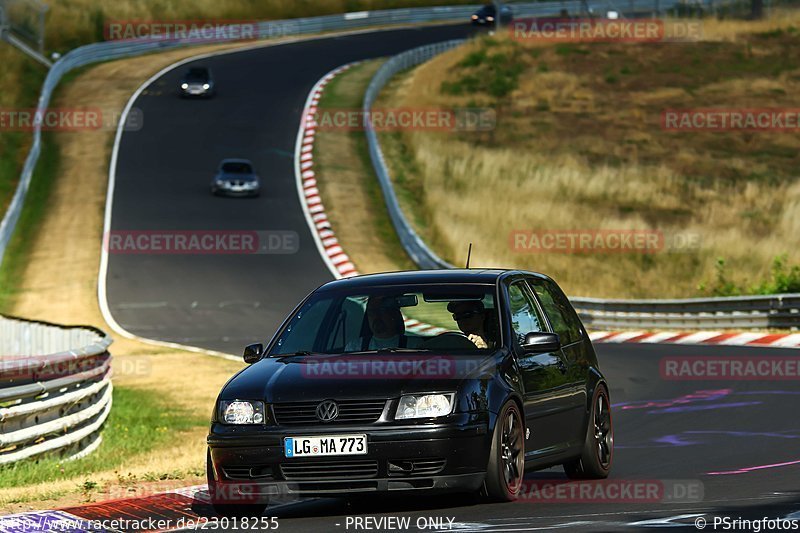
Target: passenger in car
x,y
386,328
472,319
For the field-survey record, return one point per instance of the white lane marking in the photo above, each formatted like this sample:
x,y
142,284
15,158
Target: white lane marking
x,y
478,526
667,521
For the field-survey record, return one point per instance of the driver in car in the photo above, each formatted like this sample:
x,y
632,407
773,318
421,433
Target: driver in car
x,y
386,327
471,319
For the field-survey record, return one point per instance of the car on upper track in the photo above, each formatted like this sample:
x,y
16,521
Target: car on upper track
x,y
236,177
487,15
450,380
197,82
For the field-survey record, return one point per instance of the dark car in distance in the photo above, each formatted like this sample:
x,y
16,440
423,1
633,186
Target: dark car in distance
x,y
449,380
236,177
197,82
487,15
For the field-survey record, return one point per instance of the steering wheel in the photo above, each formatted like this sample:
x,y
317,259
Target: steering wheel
x,y
452,340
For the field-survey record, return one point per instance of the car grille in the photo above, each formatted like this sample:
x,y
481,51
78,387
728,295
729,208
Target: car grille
x,y
350,412
330,470
416,467
243,473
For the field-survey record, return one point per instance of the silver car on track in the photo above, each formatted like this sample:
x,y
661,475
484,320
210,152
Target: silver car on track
x,y
236,177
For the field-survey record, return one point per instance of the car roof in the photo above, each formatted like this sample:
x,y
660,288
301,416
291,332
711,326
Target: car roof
x,y
410,277
235,160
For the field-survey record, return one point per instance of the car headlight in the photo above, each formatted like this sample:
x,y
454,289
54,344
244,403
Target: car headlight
x,y
489,19
206,86
474,17
424,406
241,412
184,85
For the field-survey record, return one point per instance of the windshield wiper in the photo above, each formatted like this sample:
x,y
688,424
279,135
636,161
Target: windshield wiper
x,y
393,350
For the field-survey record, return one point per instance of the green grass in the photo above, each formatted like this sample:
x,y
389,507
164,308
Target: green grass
x,y
140,421
18,252
35,205
335,98
20,91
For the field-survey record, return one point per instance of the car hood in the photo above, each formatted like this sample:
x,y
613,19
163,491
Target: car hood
x,y
320,377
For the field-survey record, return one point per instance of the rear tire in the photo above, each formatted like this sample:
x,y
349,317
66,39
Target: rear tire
x,y
506,467
598,448
218,498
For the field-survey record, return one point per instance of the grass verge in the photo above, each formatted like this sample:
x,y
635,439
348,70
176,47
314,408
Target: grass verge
x,y
349,189
51,274
19,251
140,420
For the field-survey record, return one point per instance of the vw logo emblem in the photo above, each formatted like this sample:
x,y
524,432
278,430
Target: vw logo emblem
x,y
327,411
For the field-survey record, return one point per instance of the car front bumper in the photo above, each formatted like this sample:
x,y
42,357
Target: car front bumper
x,y
224,191
198,92
451,457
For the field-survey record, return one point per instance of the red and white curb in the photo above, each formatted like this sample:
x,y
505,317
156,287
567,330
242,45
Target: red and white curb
x,y
339,263
770,340
168,511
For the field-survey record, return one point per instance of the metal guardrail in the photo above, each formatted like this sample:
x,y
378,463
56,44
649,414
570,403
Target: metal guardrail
x,y
780,311
55,389
415,247
745,312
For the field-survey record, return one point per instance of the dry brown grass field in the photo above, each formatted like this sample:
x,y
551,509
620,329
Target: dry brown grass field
x,y
578,145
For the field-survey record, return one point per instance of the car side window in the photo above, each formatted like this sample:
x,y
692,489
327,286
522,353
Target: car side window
x,y
562,317
524,314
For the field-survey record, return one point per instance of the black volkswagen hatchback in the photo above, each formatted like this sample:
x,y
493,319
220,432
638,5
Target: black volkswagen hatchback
x,y
452,380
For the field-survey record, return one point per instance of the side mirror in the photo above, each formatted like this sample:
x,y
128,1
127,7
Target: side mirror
x,y
253,353
541,342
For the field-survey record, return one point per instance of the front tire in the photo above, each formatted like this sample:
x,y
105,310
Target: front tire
x,y
220,499
598,448
506,466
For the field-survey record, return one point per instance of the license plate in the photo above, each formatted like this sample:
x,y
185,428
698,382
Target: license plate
x,y
325,445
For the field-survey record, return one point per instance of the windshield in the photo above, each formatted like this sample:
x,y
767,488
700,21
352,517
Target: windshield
x,y
454,319
237,168
197,75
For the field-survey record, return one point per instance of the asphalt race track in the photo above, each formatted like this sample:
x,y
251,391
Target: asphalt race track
x,y
737,442
225,301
